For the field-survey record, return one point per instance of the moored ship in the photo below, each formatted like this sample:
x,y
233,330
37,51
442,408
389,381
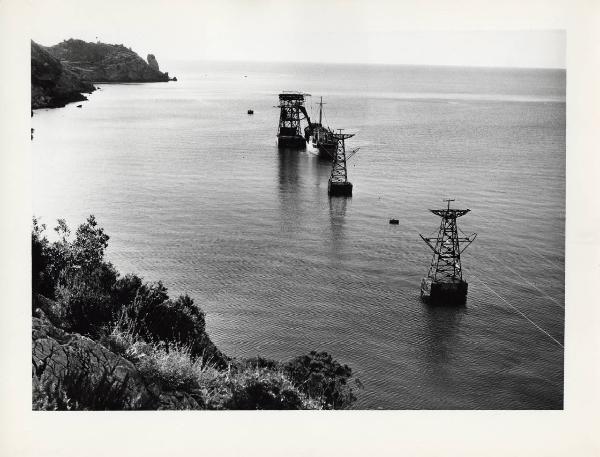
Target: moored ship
x,y
321,137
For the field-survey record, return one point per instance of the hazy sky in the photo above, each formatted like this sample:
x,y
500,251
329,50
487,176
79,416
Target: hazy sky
x,y
438,32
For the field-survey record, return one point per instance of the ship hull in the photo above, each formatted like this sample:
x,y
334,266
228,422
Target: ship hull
x,y
452,293
320,138
326,150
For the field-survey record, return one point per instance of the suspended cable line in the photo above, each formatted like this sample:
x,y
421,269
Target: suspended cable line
x,y
520,312
544,258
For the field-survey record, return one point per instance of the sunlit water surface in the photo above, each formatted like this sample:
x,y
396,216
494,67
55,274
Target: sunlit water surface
x,y
194,192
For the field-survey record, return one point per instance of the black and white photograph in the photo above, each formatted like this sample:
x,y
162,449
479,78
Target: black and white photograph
x,y
260,205
344,228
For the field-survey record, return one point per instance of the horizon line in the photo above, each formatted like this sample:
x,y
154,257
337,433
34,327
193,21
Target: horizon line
x,y
391,64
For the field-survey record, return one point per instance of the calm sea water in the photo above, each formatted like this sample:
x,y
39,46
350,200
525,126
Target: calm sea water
x,y
194,192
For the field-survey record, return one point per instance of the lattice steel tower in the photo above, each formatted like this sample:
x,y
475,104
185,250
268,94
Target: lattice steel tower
x,y
444,282
291,105
338,180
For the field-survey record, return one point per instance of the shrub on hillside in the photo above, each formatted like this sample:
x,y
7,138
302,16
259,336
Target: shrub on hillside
x,y
180,322
174,321
259,362
125,289
86,311
48,395
42,281
91,296
74,274
263,389
173,370
321,377
86,299
252,389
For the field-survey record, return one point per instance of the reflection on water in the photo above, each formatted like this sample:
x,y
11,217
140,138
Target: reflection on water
x,y
289,182
289,177
337,218
442,327
337,209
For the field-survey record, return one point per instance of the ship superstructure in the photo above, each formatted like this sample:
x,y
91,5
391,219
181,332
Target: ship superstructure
x,y
321,137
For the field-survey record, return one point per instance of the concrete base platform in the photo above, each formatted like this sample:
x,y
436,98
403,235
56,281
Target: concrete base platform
x,y
444,292
291,142
340,189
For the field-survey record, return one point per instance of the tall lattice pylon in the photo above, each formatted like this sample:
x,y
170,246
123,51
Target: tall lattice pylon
x,y
338,180
445,276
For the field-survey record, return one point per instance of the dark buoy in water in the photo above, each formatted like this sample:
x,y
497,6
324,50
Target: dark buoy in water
x,y
394,221
250,111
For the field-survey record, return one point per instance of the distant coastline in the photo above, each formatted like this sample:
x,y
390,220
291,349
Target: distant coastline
x,y
63,73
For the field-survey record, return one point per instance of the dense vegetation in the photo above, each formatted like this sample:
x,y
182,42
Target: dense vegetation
x,y
163,339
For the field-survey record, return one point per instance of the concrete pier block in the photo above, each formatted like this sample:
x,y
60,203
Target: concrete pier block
x,y
449,292
340,189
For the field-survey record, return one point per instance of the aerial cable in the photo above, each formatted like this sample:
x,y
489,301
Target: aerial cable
x,y
520,312
527,281
543,257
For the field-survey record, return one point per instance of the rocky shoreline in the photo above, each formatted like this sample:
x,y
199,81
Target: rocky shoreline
x,y
63,73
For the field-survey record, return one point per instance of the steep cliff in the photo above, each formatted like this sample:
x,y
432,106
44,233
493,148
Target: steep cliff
x,y
101,62
52,84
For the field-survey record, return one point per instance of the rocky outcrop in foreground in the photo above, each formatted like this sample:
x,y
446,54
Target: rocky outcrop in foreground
x,y
71,361
84,369
101,62
52,84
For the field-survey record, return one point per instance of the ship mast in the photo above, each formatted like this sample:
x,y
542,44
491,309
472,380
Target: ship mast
x,y
321,111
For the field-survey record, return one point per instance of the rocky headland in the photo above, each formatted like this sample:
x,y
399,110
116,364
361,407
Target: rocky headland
x,y
62,73
53,84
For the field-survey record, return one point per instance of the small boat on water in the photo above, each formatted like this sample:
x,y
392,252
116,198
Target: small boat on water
x,y
250,111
